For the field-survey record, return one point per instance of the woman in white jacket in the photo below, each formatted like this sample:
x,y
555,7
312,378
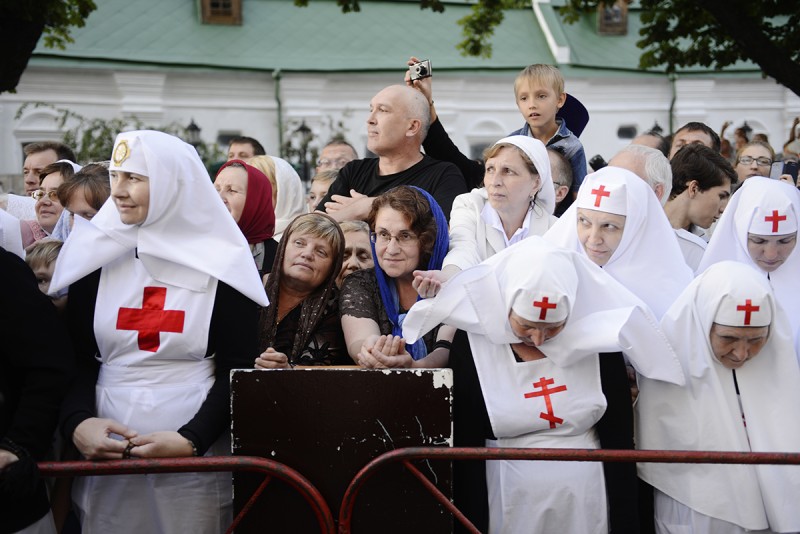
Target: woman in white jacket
x,y
517,201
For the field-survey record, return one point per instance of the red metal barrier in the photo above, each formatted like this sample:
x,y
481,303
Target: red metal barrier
x,y
407,455
204,465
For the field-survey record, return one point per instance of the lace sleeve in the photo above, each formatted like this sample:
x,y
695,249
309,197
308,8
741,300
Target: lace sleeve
x,y
360,296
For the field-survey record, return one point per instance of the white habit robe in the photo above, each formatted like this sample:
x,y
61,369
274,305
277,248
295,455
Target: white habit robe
x,y
708,414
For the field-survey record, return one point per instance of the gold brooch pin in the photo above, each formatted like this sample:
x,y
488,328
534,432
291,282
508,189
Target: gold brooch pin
x,y
121,152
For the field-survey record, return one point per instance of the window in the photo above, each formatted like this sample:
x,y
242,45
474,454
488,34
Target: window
x,y
221,11
612,18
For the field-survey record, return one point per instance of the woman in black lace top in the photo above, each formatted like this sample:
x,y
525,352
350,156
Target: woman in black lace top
x,y
301,325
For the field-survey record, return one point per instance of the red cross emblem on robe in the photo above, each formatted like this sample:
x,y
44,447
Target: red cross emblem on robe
x,y
546,392
151,319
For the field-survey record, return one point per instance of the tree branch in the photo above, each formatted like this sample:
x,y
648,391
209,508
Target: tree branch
x,y
775,61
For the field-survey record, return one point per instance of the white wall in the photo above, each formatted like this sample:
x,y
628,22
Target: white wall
x,y
475,108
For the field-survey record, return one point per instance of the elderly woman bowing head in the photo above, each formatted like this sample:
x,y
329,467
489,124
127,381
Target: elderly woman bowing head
x,y
301,325
535,322
409,232
247,193
735,345
759,228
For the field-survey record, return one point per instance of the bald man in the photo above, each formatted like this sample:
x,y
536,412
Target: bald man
x,y
397,124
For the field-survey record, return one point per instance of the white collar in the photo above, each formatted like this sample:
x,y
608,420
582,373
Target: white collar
x,y
492,218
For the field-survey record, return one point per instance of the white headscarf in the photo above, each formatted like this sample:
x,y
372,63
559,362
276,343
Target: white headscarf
x,y
291,200
75,166
757,196
705,414
10,234
188,235
536,151
648,260
603,316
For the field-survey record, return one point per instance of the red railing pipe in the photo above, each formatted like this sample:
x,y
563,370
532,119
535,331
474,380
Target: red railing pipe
x,y
409,454
269,468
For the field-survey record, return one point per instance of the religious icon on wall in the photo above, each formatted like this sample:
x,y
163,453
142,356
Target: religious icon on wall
x,y
612,18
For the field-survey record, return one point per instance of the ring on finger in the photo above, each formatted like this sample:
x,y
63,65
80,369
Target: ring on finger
x,y
126,454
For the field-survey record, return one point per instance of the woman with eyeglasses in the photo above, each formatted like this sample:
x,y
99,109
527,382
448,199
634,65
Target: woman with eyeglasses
x,y
48,207
408,232
754,159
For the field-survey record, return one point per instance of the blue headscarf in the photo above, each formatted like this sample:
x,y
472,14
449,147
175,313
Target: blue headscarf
x,y
389,296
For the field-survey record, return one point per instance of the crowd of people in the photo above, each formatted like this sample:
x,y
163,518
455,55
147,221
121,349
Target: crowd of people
x,y
653,303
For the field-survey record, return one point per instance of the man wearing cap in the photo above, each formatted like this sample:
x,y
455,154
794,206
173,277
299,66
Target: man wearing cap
x,y
736,349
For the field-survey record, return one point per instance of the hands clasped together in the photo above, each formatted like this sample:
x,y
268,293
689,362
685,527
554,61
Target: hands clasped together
x,y
95,439
385,352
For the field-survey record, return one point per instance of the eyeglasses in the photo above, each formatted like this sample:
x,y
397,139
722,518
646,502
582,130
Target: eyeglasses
x,y
383,237
339,162
39,193
762,162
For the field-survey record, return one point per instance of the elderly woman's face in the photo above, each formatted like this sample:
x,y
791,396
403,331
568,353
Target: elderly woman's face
x,y
231,184
733,346
396,245
770,251
357,254
600,234
509,183
131,194
534,333
308,260
48,210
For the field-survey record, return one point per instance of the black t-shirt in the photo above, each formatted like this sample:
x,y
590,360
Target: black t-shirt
x,y
441,179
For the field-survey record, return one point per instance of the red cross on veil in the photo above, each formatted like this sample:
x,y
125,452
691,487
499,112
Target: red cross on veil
x,y
151,319
545,305
546,392
747,308
599,194
775,219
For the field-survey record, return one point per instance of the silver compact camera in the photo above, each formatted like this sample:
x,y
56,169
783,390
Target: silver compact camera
x,y
420,70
